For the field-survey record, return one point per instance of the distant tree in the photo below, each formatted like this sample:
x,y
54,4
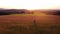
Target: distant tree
x,y
11,11
57,12
21,12
53,12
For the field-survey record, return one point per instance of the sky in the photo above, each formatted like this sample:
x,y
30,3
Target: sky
x,y
30,4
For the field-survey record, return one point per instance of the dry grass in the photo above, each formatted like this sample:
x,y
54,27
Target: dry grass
x,y
24,24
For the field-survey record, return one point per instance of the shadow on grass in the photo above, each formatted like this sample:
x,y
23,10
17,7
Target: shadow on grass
x,y
9,29
49,29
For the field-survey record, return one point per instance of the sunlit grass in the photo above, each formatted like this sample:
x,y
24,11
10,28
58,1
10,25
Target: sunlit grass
x,y
41,14
45,24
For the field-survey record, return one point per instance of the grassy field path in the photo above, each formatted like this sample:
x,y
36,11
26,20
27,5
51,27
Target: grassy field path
x,y
24,24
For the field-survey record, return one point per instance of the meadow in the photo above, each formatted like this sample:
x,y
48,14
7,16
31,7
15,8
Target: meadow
x,y
29,24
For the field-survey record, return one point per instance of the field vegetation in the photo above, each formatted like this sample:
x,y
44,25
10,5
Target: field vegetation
x,y
34,22
29,24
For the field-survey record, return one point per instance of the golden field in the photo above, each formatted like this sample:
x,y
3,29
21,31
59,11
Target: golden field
x,y
29,24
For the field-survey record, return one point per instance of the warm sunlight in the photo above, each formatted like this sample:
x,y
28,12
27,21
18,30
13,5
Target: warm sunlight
x,y
30,4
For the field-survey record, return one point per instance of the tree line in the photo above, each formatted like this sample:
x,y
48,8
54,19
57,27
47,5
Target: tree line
x,y
11,11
